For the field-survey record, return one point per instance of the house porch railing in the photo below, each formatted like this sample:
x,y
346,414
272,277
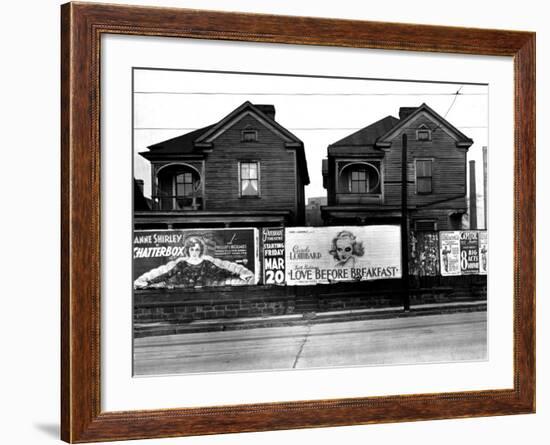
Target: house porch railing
x,y
174,202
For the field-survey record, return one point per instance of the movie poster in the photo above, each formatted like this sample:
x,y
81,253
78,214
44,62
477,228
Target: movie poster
x,y
194,258
483,253
449,243
333,254
469,252
424,253
273,248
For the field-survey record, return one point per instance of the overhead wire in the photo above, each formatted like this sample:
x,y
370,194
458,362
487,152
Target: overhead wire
x,y
211,93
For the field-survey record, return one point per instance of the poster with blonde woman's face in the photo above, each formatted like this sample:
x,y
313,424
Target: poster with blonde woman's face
x,y
323,255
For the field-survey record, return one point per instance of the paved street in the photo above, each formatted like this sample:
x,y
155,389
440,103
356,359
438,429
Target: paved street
x,y
418,339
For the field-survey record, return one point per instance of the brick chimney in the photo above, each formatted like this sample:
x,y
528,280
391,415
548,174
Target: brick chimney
x,y
268,110
405,112
473,196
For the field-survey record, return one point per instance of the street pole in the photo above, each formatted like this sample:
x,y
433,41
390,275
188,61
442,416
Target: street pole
x,y
404,228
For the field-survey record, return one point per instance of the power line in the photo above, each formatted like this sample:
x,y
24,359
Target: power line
x,y
454,100
293,129
304,76
210,93
449,109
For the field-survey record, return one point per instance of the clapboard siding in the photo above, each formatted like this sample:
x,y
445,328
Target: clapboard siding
x,y
301,200
439,215
448,167
278,171
447,201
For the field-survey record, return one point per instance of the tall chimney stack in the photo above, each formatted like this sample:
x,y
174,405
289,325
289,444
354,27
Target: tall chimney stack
x,y
485,187
473,198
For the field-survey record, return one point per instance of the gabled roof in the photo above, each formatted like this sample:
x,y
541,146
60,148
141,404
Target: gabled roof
x,y
183,144
368,135
260,112
461,139
195,142
370,139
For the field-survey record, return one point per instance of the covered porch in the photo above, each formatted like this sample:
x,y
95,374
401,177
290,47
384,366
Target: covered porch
x,y
178,219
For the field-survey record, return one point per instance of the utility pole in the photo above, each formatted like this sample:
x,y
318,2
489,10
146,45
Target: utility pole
x,y
404,228
473,197
485,187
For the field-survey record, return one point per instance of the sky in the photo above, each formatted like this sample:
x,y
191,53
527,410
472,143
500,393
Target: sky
x,y
319,111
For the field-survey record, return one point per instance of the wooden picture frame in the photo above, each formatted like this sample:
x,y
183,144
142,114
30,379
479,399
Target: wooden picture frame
x,y
82,26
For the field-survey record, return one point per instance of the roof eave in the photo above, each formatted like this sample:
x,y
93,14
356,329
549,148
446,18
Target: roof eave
x,y
203,145
163,156
461,137
203,139
466,144
293,144
383,145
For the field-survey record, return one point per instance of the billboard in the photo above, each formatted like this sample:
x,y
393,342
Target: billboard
x,y
333,254
469,252
195,258
463,252
449,248
424,253
273,248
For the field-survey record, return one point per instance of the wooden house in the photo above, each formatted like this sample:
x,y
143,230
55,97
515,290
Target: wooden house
x,y
363,173
245,170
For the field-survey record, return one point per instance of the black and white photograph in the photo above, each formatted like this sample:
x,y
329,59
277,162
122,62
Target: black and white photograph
x,y
288,221
275,222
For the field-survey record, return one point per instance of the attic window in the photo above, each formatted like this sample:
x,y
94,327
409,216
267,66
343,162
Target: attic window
x,y
423,134
249,136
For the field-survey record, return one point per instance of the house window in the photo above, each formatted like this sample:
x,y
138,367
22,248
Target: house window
x,y
249,178
423,134
360,178
184,185
249,136
423,176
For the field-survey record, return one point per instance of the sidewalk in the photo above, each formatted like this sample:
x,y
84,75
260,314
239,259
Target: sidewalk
x,y
222,324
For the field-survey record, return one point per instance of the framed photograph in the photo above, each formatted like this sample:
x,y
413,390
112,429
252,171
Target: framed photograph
x,y
274,222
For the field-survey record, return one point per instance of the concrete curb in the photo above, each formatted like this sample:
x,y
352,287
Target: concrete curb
x,y
225,324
